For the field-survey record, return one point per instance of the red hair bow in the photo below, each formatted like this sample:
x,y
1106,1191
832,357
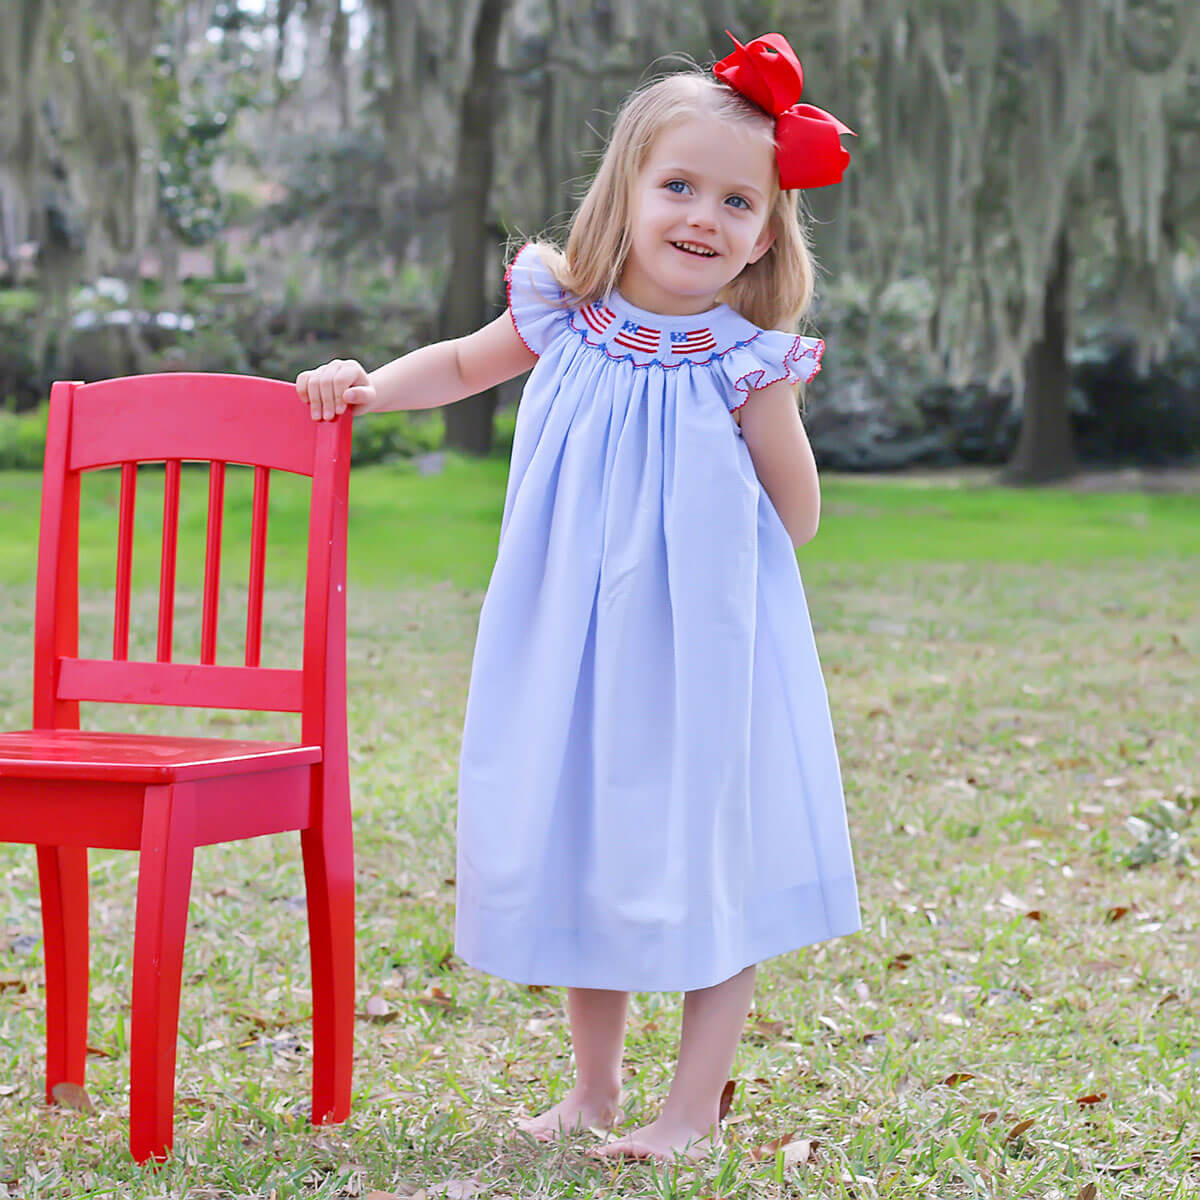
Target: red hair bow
x,y
807,139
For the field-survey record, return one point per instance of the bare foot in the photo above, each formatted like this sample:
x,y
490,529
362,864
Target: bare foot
x,y
574,1113
661,1140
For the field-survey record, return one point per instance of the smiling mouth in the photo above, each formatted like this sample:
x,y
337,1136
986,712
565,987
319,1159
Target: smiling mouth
x,y
695,249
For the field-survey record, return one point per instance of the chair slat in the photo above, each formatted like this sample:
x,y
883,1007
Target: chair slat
x,y
264,689
258,551
212,562
166,585
124,560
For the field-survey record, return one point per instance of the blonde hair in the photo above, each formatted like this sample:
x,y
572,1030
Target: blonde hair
x,y
773,292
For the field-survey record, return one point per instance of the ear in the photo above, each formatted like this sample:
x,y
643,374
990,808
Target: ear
x,y
766,240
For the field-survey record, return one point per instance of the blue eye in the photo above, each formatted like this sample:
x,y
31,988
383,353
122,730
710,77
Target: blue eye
x,y
738,201
676,185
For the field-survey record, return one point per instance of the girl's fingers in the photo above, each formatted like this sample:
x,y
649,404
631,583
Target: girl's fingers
x,y
308,385
330,389
329,395
314,396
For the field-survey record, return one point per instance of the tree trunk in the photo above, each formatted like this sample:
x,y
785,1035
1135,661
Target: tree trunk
x,y
170,285
464,305
1045,450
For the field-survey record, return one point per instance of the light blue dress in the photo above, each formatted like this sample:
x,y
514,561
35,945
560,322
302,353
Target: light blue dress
x,y
649,796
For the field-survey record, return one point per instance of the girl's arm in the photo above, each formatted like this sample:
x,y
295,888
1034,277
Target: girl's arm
x,y
782,457
437,374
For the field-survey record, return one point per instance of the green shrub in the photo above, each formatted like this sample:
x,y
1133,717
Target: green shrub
x,y
209,348
20,380
23,439
382,436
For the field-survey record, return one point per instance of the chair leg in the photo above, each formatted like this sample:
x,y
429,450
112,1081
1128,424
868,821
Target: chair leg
x,y
63,880
164,885
328,850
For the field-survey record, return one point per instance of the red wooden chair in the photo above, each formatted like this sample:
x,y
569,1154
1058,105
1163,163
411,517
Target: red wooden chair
x,y
63,789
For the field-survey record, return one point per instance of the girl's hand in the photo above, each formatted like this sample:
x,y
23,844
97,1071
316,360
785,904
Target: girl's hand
x,y
329,388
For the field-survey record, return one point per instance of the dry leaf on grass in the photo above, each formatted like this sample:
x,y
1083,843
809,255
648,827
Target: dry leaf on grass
x,y
439,1000
10,983
956,1078
456,1189
265,1020
1019,1128
1087,1192
763,1028
71,1095
799,1154
377,1010
726,1099
1093,1098
771,1148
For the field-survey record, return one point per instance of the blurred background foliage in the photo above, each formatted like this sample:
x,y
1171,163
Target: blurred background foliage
x,y
1009,269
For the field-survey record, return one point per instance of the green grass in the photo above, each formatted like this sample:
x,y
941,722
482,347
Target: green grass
x,y
894,521
408,528
1011,675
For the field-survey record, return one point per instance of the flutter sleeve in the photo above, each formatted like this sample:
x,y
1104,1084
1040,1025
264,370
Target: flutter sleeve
x,y
771,356
535,301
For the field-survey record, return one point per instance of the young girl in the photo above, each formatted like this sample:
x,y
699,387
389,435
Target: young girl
x,y
649,795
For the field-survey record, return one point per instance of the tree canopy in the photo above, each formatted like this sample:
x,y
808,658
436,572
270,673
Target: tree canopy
x,y
999,144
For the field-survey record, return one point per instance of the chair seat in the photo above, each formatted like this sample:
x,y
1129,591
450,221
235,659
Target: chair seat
x,y
139,757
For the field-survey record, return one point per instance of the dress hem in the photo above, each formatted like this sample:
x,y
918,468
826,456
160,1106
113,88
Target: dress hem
x,y
607,951
479,962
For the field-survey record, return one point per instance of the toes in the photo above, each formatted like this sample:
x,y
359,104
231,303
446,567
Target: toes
x,y
623,1151
538,1132
542,1132
633,1151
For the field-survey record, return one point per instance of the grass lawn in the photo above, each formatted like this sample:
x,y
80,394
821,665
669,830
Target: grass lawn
x,y
412,529
1012,674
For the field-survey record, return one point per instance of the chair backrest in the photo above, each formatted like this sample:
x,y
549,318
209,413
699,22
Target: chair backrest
x,y
172,418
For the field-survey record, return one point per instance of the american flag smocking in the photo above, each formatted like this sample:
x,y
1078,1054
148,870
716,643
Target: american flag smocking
x,y
598,317
694,341
633,336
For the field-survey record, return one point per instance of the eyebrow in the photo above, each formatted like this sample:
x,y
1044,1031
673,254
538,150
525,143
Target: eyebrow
x,y
676,169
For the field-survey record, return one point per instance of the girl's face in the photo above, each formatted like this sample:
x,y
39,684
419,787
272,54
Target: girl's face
x,y
699,214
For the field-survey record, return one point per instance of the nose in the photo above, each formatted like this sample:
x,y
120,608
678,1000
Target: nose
x,y
702,216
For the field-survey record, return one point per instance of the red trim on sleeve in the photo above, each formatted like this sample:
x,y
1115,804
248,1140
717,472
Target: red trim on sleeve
x,y
759,374
508,296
